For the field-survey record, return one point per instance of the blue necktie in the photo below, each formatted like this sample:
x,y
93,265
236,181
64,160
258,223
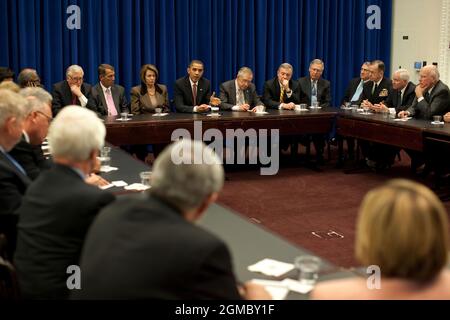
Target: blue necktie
x,y
15,163
358,92
313,93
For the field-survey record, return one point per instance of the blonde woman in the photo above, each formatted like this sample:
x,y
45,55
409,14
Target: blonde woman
x,y
403,229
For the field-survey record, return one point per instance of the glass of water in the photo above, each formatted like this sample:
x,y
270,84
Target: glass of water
x,y
309,267
146,178
105,151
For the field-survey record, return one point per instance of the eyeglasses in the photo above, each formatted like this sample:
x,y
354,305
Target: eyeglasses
x,y
76,78
49,119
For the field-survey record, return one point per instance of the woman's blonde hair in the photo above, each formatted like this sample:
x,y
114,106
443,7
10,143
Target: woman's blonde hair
x,y
403,229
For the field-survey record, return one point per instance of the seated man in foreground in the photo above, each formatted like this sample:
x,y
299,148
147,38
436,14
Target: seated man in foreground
x,y
159,252
59,206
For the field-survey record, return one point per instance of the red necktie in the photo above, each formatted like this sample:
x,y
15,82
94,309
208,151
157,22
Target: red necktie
x,y
74,99
194,94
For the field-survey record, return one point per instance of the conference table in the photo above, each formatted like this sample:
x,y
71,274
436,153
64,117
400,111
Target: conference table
x,y
413,134
151,129
248,242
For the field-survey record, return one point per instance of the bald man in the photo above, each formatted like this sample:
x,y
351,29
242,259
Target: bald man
x,y
432,96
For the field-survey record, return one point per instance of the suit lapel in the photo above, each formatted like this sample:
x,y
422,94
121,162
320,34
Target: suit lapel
x,y
102,97
115,95
200,90
10,165
188,90
67,94
308,88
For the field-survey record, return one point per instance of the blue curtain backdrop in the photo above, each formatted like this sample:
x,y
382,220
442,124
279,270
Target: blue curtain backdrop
x,y
225,34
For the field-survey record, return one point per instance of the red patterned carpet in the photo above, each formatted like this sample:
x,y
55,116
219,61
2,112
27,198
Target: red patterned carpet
x,y
298,201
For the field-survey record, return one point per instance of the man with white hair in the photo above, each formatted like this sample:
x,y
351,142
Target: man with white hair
x,y
432,96
13,178
28,151
239,94
159,252
72,91
59,206
402,95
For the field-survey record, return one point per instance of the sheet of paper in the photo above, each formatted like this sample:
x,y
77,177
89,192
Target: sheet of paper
x,y
108,169
119,183
137,186
271,267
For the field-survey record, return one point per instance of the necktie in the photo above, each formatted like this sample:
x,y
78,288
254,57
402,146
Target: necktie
x,y
110,102
314,89
241,99
15,163
74,100
399,99
374,89
282,94
194,94
427,97
358,92
314,93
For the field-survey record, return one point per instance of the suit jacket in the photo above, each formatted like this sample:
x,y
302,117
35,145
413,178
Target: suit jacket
x,y
228,95
272,91
407,100
142,104
30,157
13,184
379,95
62,96
183,94
54,217
146,263
323,91
351,89
437,104
97,101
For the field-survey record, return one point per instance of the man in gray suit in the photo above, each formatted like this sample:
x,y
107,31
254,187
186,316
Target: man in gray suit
x,y
107,98
432,96
239,94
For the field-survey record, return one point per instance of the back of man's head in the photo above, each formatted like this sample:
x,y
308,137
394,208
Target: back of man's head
x,y
75,133
12,105
41,96
186,173
13,110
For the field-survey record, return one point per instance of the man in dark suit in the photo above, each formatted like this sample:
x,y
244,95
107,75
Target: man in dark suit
x,y
146,263
239,94
13,178
378,88
313,89
106,97
28,152
278,93
401,96
59,207
72,91
432,96
192,93
355,87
